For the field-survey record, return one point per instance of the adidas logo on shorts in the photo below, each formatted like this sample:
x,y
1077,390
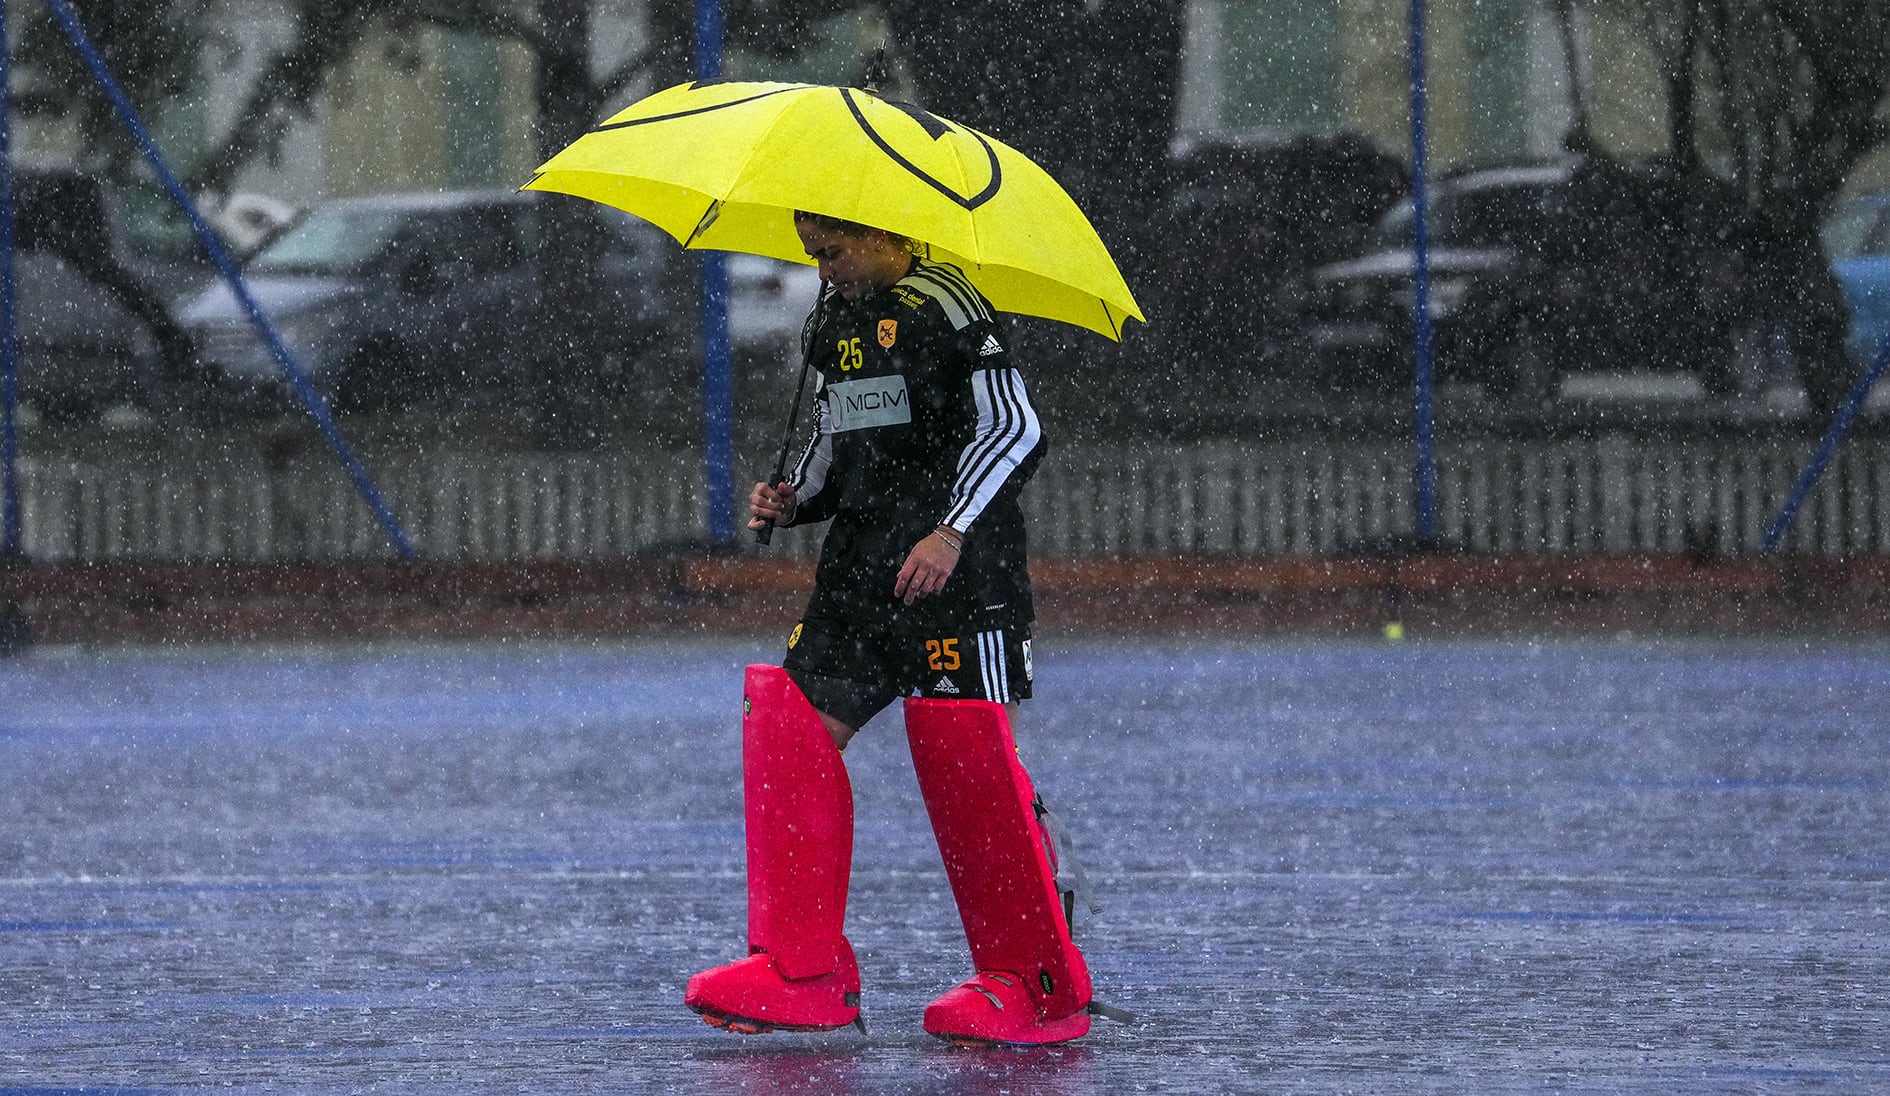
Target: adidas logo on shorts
x,y
991,346
945,686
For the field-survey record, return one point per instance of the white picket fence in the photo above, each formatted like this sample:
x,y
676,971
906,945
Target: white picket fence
x,y
1607,496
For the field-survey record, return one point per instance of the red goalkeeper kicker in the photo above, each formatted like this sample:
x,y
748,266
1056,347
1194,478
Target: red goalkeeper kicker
x,y
980,799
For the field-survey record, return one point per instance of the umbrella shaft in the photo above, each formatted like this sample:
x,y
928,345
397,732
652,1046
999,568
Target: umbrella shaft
x,y
766,533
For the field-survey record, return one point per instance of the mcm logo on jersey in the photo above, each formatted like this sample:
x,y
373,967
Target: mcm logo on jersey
x,y
869,402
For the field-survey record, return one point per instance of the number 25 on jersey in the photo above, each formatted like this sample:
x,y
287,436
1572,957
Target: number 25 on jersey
x,y
942,654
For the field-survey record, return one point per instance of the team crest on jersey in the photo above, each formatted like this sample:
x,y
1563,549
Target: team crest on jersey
x,y
888,331
794,636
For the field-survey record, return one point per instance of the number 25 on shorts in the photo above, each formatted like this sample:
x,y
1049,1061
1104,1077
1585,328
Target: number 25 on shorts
x,y
942,654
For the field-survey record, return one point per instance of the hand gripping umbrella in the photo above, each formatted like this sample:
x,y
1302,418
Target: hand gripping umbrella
x,y
724,165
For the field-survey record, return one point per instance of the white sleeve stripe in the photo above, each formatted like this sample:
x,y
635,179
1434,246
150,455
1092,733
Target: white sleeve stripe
x,y
1008,431
1015,434
997,423
961,302
956,313
810,472
954,281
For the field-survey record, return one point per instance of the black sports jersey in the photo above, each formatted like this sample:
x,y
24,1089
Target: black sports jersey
x,y
920,419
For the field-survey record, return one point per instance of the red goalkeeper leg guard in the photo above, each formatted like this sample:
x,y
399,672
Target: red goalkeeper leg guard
x,y
800,973
1032,985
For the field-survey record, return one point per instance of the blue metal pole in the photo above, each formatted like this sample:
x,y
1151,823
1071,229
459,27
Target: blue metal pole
x,y
1827,449
1426,471
9,341
310,397
717,388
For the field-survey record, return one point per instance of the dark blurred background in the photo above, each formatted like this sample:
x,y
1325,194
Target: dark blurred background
x,y
1680,233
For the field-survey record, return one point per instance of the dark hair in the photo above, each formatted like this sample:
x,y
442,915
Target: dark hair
x,y
855,228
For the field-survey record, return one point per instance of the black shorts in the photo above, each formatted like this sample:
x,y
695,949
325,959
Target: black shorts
x,y
851,671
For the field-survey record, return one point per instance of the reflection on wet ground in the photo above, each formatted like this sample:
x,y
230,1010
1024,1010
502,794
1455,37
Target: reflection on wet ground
x,y
1356,867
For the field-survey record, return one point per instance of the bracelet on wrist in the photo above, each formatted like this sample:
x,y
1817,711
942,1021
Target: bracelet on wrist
x,y
956,543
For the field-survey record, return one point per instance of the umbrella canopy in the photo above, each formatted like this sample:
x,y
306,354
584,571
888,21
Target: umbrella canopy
x,y
723,165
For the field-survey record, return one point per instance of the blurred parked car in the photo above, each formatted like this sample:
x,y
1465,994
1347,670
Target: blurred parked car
x,y
247,222
92,329
1857,241
1246,223
396,299
1542,270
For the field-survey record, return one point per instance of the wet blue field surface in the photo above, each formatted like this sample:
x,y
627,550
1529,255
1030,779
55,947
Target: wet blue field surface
x,y
1426,868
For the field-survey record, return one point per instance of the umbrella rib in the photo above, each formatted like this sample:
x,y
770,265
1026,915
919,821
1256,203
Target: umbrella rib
x,y
607,126
709,217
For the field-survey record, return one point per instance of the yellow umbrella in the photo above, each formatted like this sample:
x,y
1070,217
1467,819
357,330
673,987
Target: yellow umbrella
x,y
723,165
